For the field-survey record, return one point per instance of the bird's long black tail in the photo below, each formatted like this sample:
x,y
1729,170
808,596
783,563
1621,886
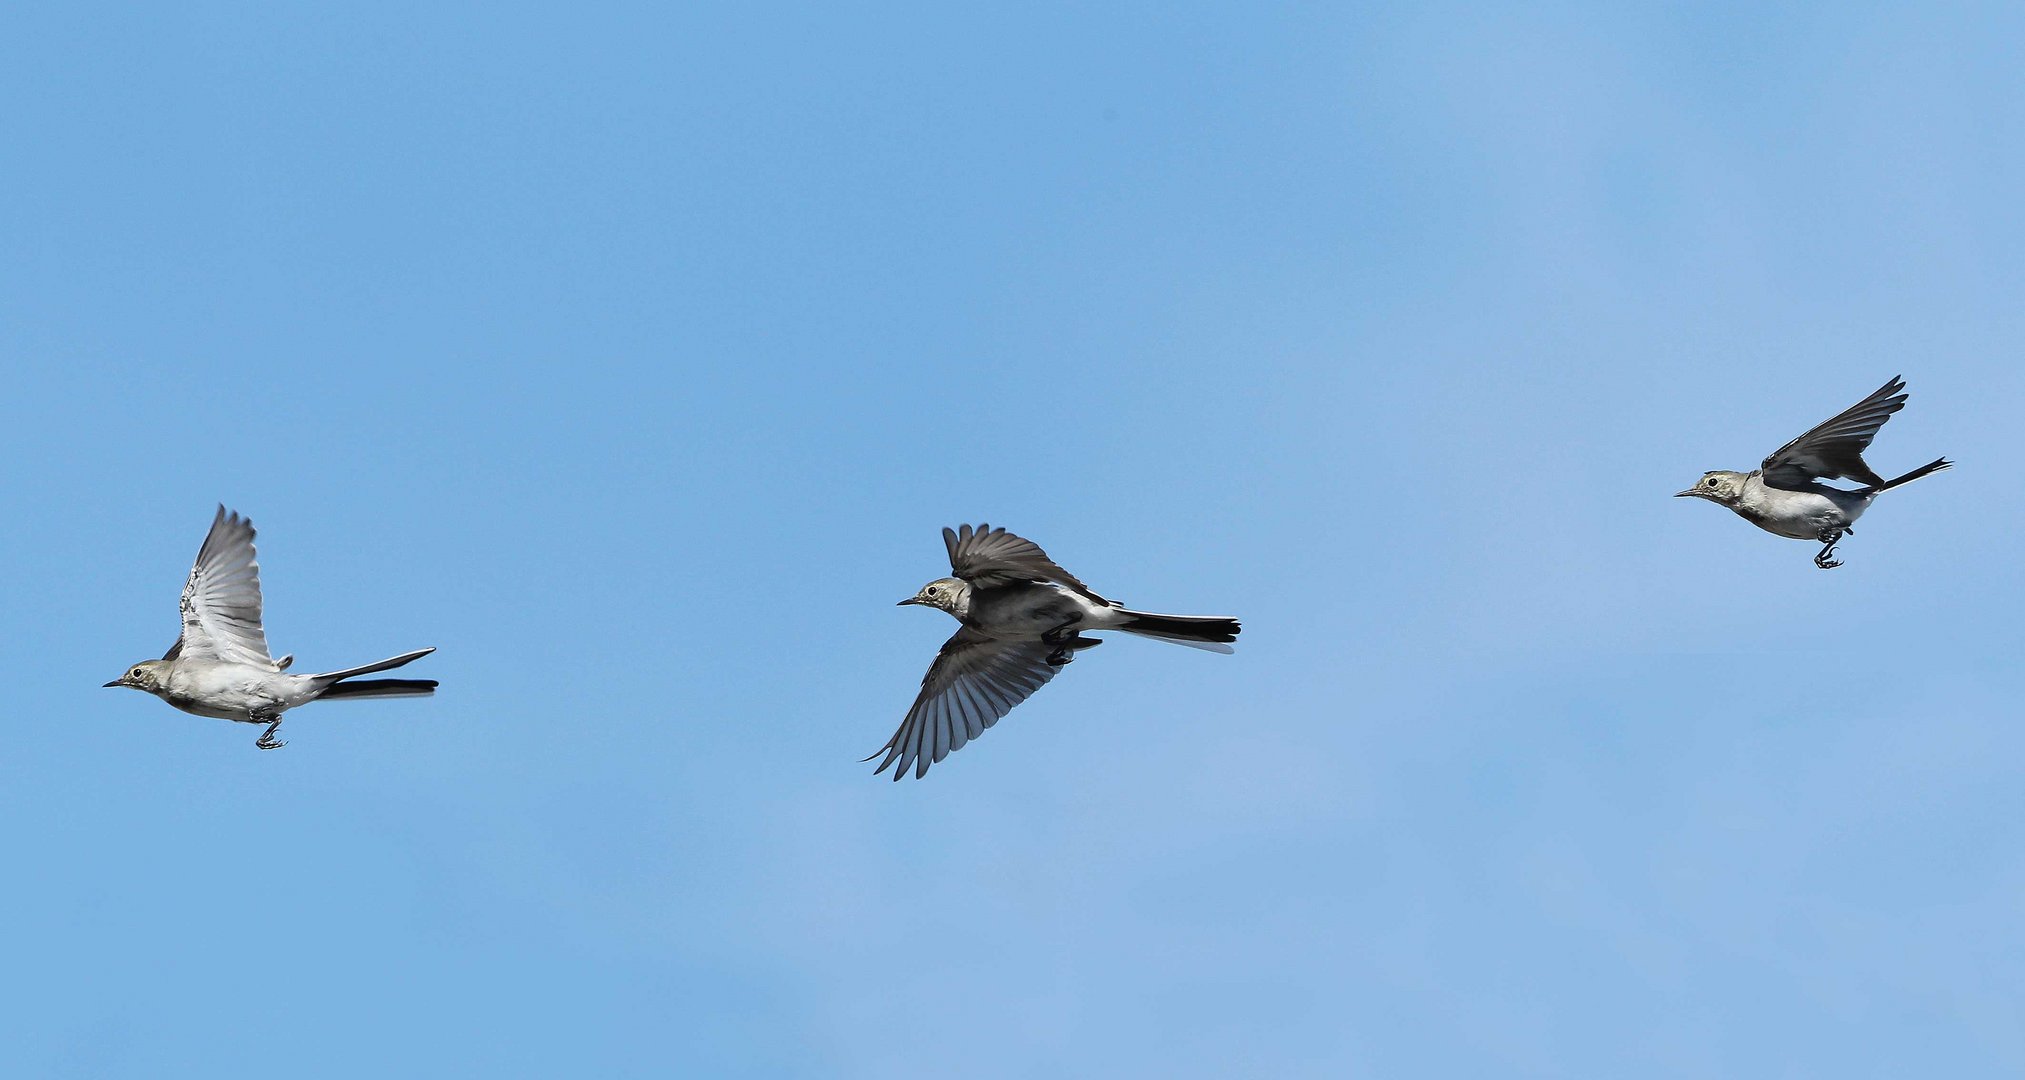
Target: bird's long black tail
x,y
382,665
372,688
1212,632
1930,467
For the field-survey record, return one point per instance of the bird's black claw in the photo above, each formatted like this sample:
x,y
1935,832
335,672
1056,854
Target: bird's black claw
x,y
1823,558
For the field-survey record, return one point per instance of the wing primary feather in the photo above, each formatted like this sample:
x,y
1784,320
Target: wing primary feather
x,y
972,684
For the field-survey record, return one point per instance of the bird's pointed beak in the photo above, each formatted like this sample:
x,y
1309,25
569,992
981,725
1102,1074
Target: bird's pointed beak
x,y
1684,494
909,600
115,682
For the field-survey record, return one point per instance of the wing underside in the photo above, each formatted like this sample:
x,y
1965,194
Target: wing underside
x,y
221,599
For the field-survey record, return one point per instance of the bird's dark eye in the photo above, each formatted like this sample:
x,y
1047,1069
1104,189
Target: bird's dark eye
x,y
932,590
1711,481
135,673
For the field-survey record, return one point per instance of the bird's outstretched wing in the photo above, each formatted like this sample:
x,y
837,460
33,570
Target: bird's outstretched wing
x,y
974,681
985,556
1834,448
221,601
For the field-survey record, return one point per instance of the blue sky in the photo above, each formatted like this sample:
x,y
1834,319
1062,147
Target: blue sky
x,y
634,357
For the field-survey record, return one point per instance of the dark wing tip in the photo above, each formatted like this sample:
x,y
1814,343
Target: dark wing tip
x,y
893,754
1895,389
225,525
233,519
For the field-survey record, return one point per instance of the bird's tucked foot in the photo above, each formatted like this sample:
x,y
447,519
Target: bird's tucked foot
x,y
1064,634
1070,648
1828,542
267,741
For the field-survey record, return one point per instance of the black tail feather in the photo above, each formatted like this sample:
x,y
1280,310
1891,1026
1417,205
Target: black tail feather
x,y
372,688
1216,629
1930,467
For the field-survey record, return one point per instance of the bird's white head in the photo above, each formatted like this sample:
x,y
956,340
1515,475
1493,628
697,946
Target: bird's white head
x,y
950,594
1721,486
146,675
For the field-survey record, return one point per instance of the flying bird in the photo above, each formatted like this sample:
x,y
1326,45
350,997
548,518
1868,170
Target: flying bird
x,y
219,666
1784,495
1023,618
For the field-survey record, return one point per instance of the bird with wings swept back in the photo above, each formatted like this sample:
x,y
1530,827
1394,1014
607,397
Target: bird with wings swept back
x,y
1023,618
219,666
1785,496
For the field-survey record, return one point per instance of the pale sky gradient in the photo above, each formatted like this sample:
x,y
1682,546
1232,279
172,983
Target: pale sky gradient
x,y
634,358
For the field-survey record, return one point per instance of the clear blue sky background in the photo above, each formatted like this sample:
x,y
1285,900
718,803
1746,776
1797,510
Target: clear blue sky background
x,y
635,358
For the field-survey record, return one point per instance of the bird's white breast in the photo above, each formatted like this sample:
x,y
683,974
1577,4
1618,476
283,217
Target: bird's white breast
x,y
1801,515
228,691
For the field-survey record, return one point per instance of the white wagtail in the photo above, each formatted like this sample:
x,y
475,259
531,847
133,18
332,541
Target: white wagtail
x,y
219,667
1022,616
1784,495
